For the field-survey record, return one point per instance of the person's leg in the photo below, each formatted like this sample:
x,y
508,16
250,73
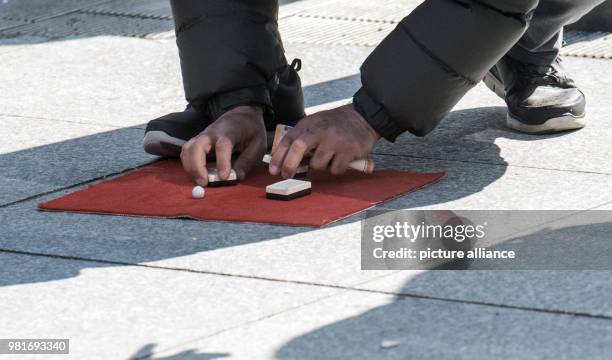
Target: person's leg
x,y
541,43
541,96
435,55
232,56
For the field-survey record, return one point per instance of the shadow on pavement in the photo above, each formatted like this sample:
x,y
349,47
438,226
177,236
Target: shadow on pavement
x,y
146,353
542,302
332,90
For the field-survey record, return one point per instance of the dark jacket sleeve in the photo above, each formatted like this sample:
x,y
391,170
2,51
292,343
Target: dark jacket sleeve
x,y
435,55
231,53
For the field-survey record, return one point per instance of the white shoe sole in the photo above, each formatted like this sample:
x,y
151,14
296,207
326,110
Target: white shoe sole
x,y
554,125
161,144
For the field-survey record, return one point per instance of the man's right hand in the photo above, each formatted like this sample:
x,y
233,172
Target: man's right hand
x,y
241,128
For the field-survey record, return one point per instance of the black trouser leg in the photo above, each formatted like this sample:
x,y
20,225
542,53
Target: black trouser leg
x,y
541,43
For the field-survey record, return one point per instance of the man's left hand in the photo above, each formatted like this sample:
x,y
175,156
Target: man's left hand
x,y
334,138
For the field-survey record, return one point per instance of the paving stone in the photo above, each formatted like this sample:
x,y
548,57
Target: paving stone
x,y
291,7
101,80
482,186
44,155
391,11
116,312
579,241
374,326
38,9
329,63
326,256
142,9
12,190
9,22
25,133
607,206
569,291
88,24
11,41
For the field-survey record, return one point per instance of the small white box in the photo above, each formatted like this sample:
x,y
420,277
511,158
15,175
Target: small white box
x,y
288,189
214,180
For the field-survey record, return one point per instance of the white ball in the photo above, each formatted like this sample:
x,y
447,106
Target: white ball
x,y
198,192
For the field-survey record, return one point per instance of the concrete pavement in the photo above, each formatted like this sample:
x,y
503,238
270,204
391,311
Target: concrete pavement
x,y
77,90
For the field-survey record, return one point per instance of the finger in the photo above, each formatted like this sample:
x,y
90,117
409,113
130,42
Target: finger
x,y
250,156
184,151
340,164
281,150
321,159
223,152
193,158
299,147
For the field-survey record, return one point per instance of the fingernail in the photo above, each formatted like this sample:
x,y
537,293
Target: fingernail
x,y
273,169
201,182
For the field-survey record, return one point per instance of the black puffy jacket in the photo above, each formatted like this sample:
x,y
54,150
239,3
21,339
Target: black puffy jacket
x,y
231,54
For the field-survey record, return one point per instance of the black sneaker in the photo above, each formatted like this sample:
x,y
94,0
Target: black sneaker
x,y
166,135
540,99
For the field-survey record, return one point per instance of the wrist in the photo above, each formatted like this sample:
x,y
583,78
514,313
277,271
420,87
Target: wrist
x,y
256,110
248,101
374,134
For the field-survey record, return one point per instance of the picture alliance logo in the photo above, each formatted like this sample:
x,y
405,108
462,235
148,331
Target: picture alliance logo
x,y
457,229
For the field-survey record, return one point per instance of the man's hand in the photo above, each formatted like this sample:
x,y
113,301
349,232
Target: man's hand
x,y
336,137
241,128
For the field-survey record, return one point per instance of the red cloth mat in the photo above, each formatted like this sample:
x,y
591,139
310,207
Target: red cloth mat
x,y
163,189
